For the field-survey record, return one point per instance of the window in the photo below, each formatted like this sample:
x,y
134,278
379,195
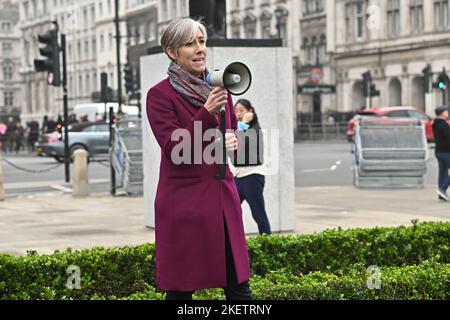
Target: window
x,y
173,9
6,49
359,20
110,41
6,26
163,10
142,36
7,72
8,98
397,114
95,85
100,8
94,48
312,7
322,48
109,7
393,17
87,84
441,14
250,30
80,87
355,20
26,10
79,49
417,115
86,49
416,15
102,43
151,30
183,9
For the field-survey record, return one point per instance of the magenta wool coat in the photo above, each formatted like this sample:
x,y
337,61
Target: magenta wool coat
x,y
191,205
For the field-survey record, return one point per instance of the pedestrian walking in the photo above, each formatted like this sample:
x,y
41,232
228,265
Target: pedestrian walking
x,y
249,170
32,134
200,239
441,131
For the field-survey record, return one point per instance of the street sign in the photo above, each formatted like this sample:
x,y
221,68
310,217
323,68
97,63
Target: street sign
x,y
311,89
316,75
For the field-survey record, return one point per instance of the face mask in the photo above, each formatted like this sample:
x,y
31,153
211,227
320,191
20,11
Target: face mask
x,y
242,126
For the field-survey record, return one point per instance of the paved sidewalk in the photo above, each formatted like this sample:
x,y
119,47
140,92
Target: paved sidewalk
x,y
46,222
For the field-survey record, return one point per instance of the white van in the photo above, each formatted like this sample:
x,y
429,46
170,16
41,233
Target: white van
x,y
92,109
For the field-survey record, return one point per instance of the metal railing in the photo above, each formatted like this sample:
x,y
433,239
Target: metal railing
x,y
321,131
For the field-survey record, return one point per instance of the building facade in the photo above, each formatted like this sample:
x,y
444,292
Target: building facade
x,y
394,40
315,66
10,81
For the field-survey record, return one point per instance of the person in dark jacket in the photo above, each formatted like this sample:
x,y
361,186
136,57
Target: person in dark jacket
x,y
441,131
249,170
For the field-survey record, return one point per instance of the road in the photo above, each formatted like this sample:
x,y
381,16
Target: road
x,y
330,164
19,182
316,165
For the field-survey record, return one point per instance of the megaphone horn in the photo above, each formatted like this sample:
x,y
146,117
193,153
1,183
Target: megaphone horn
x,y
236,78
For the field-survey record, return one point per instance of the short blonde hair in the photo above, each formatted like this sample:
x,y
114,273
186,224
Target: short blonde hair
x,y
179,32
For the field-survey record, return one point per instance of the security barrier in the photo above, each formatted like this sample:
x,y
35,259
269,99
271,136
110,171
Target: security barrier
x,y
126,156
389,153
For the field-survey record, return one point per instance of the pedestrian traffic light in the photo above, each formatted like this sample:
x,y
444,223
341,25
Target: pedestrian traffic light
x,y
426,78
441,82
51,51
367,81
130,81
373,91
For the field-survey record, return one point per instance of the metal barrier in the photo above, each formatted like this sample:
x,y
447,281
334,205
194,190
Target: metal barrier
x,y
390,154
321,131
126,156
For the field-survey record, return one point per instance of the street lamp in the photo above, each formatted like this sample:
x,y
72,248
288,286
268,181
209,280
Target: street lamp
x,y
279,13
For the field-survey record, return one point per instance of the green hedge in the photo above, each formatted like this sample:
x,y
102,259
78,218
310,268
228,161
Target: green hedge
x,y
122,272
428,280
338,249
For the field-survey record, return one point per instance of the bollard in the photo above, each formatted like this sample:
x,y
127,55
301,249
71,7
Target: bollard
x,y
2,189
80,179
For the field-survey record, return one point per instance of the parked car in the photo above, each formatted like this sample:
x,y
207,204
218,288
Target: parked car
x,y
392,112
90,136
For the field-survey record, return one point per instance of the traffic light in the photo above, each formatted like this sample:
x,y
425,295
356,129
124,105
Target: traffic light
x,y
441,82
51,51
373,91
130,81
426,78
367,81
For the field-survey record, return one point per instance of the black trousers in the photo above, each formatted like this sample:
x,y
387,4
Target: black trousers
x,y
233,290
251,189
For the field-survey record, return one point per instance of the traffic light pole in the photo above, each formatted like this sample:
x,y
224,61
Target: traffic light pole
x,y
119,77
66,110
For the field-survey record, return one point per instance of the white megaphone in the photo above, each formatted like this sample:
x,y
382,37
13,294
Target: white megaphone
x,y
236,78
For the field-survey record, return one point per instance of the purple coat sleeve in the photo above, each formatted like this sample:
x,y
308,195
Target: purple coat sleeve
x,y
162,116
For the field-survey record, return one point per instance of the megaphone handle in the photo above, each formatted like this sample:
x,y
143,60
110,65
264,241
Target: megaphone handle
x,y
223,165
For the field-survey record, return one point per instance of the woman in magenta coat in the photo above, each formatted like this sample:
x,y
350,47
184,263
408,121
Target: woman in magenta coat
x,y
200,239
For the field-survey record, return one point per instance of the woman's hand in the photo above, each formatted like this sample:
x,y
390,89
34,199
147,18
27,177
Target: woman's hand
x,y
248,117
230,142
217,98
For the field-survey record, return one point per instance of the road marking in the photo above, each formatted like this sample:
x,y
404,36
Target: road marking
x,y
61,188
37,184
332,168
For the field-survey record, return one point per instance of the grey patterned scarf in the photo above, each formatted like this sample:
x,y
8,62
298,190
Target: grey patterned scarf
x,y
193,89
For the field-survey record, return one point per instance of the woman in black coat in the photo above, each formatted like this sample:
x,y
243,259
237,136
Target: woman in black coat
x,y
249,170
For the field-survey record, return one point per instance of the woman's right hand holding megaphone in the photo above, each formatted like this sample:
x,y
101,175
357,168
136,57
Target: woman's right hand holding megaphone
x,y
217,98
